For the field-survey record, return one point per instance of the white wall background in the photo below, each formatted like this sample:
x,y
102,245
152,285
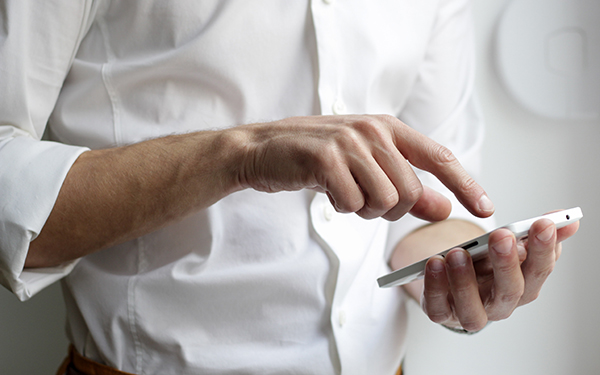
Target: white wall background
x,y
532,165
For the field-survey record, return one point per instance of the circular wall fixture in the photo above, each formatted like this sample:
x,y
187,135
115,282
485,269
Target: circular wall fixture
x,y
548,56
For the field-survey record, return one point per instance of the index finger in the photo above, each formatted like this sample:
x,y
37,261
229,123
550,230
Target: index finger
x,y
426,154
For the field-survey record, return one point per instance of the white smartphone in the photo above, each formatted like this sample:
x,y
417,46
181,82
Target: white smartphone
x,y
478,247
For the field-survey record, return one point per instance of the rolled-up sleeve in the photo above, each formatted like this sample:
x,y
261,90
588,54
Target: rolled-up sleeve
x,y
443,106
38,41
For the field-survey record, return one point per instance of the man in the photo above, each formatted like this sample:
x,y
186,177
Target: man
x,y
208,191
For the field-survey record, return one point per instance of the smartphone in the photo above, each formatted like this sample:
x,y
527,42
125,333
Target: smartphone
x,y
478,247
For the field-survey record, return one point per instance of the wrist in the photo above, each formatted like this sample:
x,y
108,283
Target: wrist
x,y
237,147
266,157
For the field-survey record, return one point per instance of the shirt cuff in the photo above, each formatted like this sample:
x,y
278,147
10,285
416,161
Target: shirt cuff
x,y
31,175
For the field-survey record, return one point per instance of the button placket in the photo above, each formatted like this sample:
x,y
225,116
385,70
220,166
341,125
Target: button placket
x,y
328,212
325,19
342,318
339,107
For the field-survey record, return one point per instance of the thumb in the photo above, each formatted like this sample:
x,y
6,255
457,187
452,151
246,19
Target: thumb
x,y
432,206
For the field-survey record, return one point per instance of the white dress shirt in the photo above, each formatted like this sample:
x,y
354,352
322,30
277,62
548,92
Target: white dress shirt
x,y
257,283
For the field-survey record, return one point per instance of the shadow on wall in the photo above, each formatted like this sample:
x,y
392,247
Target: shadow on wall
x,y
32,335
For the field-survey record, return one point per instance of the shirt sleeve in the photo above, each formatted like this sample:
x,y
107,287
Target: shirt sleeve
x,y
38,41
443,106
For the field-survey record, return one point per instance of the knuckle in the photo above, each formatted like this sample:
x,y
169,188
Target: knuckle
x,y
378,205
500,315
347,200
505,268
511,298
461,292
433,294
467,184
370,127
346,204
442,154
413,192
531,297
439,316
327,159
385,201
350,206
543,273
366,123
388,118
348,137
473,324
394,214
367,212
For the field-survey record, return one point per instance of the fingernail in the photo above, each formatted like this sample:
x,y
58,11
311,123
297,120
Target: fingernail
x,y
546,234
457,259
504,246
485,204
436,265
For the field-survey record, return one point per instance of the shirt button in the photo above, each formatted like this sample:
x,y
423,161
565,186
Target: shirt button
x,y
328,212
339,107
342,318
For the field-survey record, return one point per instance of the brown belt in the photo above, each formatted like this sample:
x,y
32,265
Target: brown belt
x,y
76,364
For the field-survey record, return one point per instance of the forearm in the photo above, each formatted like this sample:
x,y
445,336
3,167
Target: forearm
x,y
110,196
429,240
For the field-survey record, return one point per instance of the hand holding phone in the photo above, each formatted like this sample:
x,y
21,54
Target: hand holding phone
x,y
478,247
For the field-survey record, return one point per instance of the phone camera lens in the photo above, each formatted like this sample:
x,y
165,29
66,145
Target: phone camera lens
x,y
568,217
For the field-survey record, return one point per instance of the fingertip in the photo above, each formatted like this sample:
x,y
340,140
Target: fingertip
x,y
477,202
543,230
485,206
504,246
457,258
435,275
499,234
436,265
542,223
502,241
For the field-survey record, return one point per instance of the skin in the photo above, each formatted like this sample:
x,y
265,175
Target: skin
x,y
362,163
461,294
